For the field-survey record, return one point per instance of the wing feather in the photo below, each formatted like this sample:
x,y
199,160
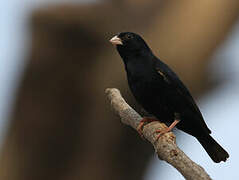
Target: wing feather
x,y
172,79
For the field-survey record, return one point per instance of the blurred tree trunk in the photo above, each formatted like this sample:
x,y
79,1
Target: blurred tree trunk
x,y
186,34
62,127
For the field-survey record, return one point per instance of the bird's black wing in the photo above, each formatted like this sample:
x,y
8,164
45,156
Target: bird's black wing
x,y
172,79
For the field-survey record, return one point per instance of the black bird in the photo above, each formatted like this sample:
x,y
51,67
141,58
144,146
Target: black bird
x,y
161,93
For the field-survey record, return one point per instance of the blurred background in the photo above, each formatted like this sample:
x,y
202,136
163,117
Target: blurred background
x,y
56,61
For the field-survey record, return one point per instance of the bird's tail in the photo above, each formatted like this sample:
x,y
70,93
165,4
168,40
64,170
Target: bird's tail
x,y
214,150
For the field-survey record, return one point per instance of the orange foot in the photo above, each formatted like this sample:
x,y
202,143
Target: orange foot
x,y
167,129
142,122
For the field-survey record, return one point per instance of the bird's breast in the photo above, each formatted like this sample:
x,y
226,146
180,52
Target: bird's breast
x,y
146,88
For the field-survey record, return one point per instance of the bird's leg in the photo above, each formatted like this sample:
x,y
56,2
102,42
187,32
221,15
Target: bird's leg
x,y
142,122
175,122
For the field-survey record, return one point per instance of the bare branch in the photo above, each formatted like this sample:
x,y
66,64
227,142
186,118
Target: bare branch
x,y
165,146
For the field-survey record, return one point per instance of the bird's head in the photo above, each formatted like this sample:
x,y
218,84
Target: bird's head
x,y
128,43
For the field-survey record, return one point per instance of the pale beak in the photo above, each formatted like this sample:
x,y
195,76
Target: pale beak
x,y
116,41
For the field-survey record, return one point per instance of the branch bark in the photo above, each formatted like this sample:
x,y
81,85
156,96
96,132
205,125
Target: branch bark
x,y
165,146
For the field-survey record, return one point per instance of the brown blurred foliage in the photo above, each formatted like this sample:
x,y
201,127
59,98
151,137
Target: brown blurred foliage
x,y
62,126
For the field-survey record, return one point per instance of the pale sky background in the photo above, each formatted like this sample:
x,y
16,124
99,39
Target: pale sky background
x,y
219,107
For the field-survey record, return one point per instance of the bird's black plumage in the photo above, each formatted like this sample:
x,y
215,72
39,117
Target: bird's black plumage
x,y
159,90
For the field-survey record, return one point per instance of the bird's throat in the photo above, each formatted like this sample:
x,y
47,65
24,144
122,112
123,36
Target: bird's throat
x,y
138,67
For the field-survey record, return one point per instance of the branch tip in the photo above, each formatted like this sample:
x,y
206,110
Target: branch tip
x,y
165,147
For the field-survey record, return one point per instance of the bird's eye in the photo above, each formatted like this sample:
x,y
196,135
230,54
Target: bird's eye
x,y
129,36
